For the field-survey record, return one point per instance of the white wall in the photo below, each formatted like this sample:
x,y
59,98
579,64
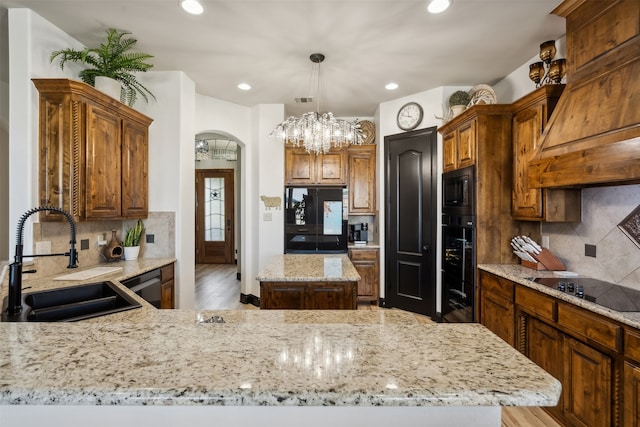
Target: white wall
x,y
31,41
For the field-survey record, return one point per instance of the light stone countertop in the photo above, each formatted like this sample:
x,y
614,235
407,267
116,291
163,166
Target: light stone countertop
x,y
274,358
309,267
147,356
522,275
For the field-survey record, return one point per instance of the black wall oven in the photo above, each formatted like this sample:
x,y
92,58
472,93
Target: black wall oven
x,y
458,245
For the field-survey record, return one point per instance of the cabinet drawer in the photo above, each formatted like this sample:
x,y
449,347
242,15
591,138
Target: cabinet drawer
x,y
535,303
363,255
632,344
590,326
497,285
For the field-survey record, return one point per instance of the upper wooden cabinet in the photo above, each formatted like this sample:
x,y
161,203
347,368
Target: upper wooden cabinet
x,y
304,168
592,136
530,115
459,145
362,179
93,159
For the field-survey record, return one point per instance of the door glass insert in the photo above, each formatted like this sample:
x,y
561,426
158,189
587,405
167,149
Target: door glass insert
x,y
214,219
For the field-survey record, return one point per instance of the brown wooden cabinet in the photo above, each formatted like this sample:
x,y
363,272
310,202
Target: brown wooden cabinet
x,y
308,295
535,204
367,264
304,168
93,153
587,385
362,179
481,136
497,306
576,346
167,287
459,146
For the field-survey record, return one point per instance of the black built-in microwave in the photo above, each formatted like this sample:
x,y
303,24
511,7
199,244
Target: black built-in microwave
x,y
458,192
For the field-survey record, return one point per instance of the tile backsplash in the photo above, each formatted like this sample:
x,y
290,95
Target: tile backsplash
x,y
617,256
160,224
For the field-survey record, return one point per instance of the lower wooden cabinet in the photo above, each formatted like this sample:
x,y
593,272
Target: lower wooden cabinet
x,y
544,347
631,394
367,264
596,359
167,287
308,295
497,306
587,385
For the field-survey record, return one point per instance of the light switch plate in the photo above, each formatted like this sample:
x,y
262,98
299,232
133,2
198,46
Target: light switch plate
x,y
43,248
267,216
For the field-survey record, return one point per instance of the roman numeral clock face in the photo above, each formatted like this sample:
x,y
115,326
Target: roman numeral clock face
x,y
409,116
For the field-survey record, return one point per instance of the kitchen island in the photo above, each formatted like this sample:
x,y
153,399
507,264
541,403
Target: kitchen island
x,y
272,367
309,281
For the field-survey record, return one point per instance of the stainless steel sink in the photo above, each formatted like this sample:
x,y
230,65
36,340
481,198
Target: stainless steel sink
x,y
72,303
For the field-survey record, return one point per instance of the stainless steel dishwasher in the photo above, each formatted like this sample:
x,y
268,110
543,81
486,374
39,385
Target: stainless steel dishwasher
x,y
147,286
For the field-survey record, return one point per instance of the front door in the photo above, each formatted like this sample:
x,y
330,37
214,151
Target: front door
x,y
411,223
214,216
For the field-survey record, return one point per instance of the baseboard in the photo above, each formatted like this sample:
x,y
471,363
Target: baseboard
x,y
382,302
250,299
437,318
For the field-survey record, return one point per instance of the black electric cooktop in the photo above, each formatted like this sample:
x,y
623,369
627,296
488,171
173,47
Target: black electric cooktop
x,y
610,295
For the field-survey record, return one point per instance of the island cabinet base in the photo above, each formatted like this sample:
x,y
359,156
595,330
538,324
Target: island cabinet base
x,y
223,416
340,295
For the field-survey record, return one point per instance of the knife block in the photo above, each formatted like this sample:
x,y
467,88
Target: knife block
x,y
534,265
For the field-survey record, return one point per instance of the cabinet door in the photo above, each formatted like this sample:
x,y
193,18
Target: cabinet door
x,y
527,127
449,152
467,144
631,395
282,295
299,166
366,263
331,167
135,169
167,297
103,169
331,296
362,180
587,385
497,314
61,156
544,348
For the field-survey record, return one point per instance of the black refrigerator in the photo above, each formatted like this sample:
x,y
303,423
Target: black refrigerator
x,y
315,220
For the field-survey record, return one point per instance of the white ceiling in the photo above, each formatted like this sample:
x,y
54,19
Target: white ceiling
x,y
367,44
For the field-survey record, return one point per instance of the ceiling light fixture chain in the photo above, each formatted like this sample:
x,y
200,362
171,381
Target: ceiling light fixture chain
x,y
317,132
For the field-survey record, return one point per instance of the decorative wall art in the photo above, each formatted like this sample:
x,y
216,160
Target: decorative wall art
x,y
271,202
631,226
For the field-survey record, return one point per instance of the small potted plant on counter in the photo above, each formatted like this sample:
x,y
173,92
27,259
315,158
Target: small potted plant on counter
x,y
458,102
131,241
113,60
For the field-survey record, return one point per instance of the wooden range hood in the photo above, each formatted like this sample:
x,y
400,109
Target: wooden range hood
x,y
593,136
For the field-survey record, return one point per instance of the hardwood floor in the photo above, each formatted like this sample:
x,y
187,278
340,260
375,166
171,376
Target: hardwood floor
x,y
218,289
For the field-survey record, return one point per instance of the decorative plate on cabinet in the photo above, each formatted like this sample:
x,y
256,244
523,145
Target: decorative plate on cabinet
x,y
368,132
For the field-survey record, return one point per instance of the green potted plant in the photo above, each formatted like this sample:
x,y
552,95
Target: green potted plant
x,y
458,102
113,59
131,241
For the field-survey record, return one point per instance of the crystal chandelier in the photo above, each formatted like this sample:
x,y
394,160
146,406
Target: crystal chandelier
x,y
314,131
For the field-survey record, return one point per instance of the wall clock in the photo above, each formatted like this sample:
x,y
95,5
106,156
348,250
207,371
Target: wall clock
x,y
409,116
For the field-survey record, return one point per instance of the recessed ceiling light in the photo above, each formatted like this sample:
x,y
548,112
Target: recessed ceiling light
x,y
244,86
192,6
391,86
437,6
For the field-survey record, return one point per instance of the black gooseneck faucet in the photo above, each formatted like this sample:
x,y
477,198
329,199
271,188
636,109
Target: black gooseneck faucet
x,y
14,303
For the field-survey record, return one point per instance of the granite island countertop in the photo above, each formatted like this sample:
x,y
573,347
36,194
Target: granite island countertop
x,y
272,358
309,267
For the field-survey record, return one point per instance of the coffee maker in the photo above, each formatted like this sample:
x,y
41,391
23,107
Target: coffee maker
x,y
358,232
